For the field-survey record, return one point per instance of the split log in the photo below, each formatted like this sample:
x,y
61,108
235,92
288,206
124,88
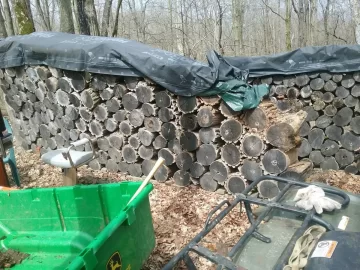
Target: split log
x,y
120,90
28,110
144,93
328,97
231,130
231,155
208,135
98,82
145,136
60,141
330,110
252,145
337,78
120,115
123,167
64,85
329,148
235,184
250,170
206,154
188,121
20,85
169,131
268,189
334,132
166,154
103,143
60,123
53,128
208,183
31,97
77,80
85,114
95,165
113,105
136,118
134,141
302,80
163,173
97,129
52,84
44,131
107,94
316,157
31,72
29,85
317,84
323,121
115,154
181,178
351,101
135,170
131,82
72,112
174,146
208,117
90,98
316,138
348,81
125,128
129,154
292,93
39,94
338,102
68,123
312,115
355,124
43,72
10,72
256,118
306,91
342,92
130,101
329,164
189,141
219,171
166,115
111,125
146,152
330,86
197,170
149,109
344,158
355,91
350,141
51,143
187,104
147,165
55,72
304,129
227,111
152,124
275,161
184,160
159,142
74,134
343,117
46,119
116,140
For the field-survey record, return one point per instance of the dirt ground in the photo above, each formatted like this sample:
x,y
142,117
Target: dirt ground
x,y
179,213
11,257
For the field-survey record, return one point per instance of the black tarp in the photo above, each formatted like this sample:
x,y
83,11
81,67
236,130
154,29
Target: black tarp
x,y
331,58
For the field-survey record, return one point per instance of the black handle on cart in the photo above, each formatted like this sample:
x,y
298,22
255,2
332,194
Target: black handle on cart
x,y
208,219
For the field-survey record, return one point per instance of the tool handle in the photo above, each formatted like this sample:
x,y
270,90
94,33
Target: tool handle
x,y
80,142
158,163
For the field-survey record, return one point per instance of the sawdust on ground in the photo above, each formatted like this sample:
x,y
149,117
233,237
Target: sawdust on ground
x,y
179,213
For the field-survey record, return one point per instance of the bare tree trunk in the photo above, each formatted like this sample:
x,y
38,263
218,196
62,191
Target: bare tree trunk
x,y
220,26
42,15
288,25
3,32
75,16
84,27
355,6
302,24
66,18
47,12
171,26
106,18
24,17
326,21
116,24
313,19
92,17
8,18
238,12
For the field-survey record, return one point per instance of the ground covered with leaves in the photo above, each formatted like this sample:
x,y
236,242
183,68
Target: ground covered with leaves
x,y
179,213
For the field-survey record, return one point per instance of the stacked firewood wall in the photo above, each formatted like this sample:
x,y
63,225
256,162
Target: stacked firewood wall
x,y
202,140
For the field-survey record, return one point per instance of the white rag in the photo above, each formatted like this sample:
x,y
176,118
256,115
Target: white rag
x,y
314,196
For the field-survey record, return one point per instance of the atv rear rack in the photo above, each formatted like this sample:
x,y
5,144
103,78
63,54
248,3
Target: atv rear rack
x,y
245,199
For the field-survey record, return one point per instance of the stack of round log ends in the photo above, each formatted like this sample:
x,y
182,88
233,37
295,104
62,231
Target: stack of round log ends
x,y
204,142
331,133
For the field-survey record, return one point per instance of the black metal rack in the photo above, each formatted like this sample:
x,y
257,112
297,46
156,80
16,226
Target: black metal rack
x,y
244,198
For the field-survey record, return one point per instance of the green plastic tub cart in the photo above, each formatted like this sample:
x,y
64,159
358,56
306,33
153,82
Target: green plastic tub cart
x,y
78,227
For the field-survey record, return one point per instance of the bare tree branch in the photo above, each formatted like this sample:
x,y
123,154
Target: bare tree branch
x,y
294,7
273,11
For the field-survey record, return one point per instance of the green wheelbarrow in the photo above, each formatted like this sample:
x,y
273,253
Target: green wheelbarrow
x,y
104,226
